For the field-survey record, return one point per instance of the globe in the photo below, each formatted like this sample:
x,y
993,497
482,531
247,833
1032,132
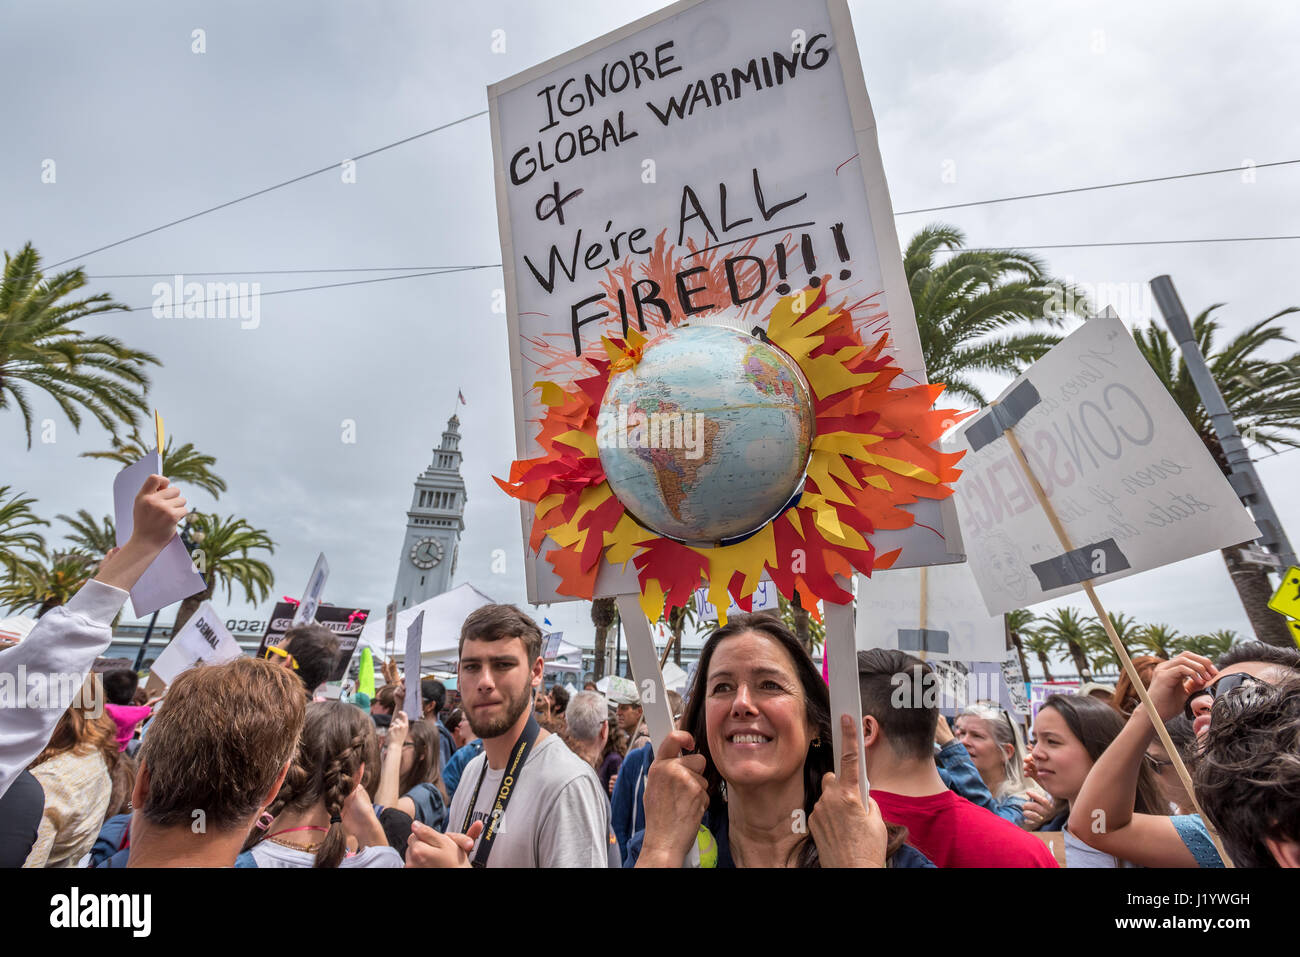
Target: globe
x,y
707,438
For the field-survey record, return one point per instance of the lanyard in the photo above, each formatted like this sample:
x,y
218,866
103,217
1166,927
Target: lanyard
x,y
509,783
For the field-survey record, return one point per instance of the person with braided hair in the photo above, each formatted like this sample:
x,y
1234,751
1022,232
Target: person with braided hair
x,y
323,805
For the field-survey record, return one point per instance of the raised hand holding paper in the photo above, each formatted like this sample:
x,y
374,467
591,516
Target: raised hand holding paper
x,y
172,576
411,668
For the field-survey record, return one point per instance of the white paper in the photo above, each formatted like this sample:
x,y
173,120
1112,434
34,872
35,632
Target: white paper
x,y
203,638
411,668
889,607
306,611
1014,678
811,138
1117,460
763,599
171,577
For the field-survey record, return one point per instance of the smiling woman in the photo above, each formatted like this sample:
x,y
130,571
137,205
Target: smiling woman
x,y
764,788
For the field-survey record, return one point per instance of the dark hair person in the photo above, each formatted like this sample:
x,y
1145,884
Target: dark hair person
x,y
1247,775
763,776
322,802
1191,685
410,780
311,651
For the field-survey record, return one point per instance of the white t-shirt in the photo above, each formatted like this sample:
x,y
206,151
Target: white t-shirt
x,y
557,816
271,854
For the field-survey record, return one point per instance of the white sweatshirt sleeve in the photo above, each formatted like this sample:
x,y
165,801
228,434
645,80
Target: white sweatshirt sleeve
x,y
42,673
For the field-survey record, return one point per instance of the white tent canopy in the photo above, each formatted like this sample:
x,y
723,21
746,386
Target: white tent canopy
x,y
440,638
16,628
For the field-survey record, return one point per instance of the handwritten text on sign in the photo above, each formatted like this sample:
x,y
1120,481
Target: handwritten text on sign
x,y
1132,483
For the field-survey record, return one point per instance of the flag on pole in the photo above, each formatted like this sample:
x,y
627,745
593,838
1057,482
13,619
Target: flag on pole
x,y
546,621
460,395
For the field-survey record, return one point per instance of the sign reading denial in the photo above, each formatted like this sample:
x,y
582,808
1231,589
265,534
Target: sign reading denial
x,y
1130,481
713,156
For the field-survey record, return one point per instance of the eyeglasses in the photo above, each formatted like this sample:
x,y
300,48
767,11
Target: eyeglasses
x,y
273,650
1220,688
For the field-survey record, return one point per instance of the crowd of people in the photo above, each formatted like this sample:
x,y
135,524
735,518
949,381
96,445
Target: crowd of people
x,y
242,764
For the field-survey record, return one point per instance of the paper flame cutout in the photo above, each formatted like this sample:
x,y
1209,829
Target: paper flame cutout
x,y
872,454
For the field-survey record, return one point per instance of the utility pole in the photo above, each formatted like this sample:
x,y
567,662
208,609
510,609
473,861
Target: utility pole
x,y
1248,566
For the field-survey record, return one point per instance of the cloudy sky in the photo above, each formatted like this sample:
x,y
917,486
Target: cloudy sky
x,y
973,102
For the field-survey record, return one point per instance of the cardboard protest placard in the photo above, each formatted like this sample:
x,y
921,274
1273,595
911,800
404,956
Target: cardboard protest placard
x,y
306,611
1040,691
944,617
551,645
1131,483
346,623
414,704
203,638
730,139
172,575
765,597
1014,678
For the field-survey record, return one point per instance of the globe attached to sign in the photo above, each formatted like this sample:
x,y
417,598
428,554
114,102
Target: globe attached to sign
x,y
707,437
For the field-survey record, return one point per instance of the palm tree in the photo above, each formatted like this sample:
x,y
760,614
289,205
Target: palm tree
x,y
90,536
604,612
810,632
1156,640
1211,646
1041,646
1099,646
18,534
184,465
677,619
222,554
1067,629
47,585
1263,395
966,304
1019,627
39,348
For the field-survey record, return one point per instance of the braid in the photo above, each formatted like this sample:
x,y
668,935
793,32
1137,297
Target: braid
x,y
340,780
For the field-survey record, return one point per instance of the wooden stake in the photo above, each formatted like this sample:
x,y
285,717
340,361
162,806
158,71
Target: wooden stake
x,y
924,616
1121,652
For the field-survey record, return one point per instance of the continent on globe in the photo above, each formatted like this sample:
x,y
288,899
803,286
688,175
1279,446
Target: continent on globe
x,y
708,436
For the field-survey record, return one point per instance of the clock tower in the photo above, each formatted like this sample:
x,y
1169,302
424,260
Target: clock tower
x,y
433,525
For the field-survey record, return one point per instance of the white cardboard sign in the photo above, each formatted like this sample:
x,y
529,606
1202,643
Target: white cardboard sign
x,y
1132,484
203,638
763,599
414,702
306,611
172,576
727,145
956,625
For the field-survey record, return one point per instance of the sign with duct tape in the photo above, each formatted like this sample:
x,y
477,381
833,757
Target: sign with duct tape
x,y
944,617
1127,476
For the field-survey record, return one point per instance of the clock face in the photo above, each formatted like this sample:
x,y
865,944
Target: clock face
x,y
426,553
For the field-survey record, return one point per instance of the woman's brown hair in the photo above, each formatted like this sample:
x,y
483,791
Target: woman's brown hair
x,y
80,733
336,738
424,735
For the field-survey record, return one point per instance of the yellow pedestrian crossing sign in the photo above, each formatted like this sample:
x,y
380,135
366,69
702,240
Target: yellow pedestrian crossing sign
x,y
1286,600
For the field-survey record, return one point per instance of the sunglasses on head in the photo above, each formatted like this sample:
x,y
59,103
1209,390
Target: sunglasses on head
x,y
280,652
1218,689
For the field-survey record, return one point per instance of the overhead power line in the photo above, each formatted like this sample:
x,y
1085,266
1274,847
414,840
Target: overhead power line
x,y
1135,242
1087,189
268,189
332,285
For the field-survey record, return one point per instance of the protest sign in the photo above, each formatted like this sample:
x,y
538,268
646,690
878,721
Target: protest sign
x,y
551,645
411,668
713,156
764,598
1014,680
933,613
1129,481
172,575
1040,691
203,638
346,623
306,610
